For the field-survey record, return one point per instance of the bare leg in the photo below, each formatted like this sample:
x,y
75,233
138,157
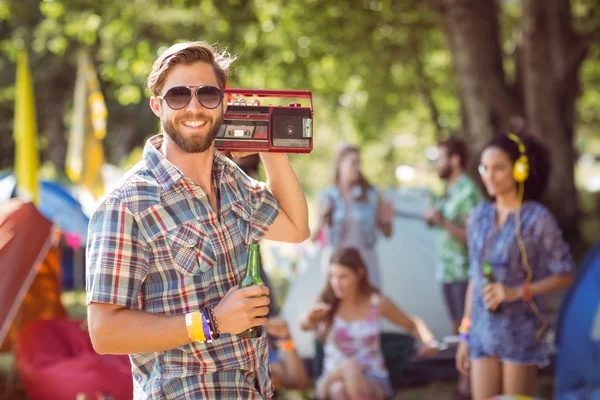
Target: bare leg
x,y
354,380
375,390
348,372
486,378
337,391
519,379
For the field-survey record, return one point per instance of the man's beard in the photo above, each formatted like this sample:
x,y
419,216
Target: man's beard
x,y
197,143
445,172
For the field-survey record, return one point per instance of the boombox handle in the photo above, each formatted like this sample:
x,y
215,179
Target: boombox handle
x,y
298,94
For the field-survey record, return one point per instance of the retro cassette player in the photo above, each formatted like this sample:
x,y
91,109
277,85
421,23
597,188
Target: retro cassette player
x,y
267,121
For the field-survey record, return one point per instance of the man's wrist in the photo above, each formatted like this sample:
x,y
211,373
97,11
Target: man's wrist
x,y
217,319
271,156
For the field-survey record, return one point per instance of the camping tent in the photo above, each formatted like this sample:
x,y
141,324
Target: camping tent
x,y
30,269
408,267
578,357
56,204
62,209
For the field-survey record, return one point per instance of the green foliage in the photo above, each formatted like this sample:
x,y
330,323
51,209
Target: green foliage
x,y
379,70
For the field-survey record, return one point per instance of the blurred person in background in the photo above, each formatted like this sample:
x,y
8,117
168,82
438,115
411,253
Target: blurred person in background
x,y
168,246
353,212
503,343
449,215
287,367
346,320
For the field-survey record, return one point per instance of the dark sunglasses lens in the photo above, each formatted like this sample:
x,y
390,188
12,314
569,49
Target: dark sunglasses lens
x,y
209,96
178,97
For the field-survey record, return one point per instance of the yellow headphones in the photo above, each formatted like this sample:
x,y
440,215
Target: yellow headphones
x,y
520,174
521,167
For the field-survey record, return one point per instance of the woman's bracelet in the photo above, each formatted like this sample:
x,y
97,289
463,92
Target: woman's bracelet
x,y
286,344
527,292
464,337
465,325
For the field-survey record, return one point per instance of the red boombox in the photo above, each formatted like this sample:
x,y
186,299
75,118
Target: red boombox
x,y
267,121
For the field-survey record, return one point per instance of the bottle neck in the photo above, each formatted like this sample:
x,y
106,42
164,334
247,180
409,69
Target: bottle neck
x,y
253,264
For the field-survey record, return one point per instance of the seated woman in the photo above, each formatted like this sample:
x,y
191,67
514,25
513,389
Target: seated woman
x,y
287,368
346,320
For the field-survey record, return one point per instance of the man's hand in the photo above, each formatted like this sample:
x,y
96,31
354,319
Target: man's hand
x,y
278,328
241,309
433,217
240,154
386,212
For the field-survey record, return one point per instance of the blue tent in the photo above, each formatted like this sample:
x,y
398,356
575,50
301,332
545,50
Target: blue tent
x,y
60,207
56,204
578,334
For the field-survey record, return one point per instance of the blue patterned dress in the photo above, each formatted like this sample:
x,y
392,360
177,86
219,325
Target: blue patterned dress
x,y
510,334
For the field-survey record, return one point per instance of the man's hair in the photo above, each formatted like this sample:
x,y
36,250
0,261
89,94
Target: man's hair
x,y
189,53
455,145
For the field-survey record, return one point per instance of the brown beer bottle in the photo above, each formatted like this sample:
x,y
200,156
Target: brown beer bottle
x,y
252,278
489,278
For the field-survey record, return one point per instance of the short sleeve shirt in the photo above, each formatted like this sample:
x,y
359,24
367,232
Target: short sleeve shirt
x,y
156,244
452,262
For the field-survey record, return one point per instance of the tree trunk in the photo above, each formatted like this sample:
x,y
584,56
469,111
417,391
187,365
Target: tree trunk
x,y
550,98
473,36
548,78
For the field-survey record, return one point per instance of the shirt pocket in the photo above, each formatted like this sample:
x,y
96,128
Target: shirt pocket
x,y
243,221
191,250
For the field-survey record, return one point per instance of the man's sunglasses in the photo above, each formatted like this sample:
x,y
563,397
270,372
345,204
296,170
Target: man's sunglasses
x,y
179,97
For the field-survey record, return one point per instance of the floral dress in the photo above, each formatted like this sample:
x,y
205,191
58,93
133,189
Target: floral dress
x,y
361,341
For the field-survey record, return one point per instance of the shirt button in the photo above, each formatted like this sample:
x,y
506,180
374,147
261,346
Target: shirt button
x,y
190,241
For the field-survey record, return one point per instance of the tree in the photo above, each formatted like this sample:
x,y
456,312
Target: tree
x,y
544,88
377,68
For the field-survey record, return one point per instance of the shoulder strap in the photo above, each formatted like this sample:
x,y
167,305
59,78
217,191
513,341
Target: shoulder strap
x,y
374,306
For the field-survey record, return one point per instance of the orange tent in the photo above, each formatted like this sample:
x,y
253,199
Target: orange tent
x,y
30,287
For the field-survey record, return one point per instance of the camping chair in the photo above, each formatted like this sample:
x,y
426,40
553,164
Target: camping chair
x,y
57,361
397,349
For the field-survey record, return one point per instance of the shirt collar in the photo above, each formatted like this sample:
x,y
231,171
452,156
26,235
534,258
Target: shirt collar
x,y
166,173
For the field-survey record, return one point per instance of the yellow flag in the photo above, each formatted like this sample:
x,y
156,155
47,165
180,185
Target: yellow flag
x,y
85,153
25,130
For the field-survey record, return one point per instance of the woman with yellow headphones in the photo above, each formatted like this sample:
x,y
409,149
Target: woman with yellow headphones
x,y
503,341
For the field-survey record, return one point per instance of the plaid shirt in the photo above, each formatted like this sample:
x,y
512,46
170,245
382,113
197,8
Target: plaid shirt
x,y
155,244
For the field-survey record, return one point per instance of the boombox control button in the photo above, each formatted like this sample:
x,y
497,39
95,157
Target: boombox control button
x,y
238,133
295,105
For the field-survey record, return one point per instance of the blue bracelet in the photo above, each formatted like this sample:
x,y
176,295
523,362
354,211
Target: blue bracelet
x,y
463,337
206,328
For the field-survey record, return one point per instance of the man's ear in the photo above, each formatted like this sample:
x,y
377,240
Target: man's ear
x,y
155,106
